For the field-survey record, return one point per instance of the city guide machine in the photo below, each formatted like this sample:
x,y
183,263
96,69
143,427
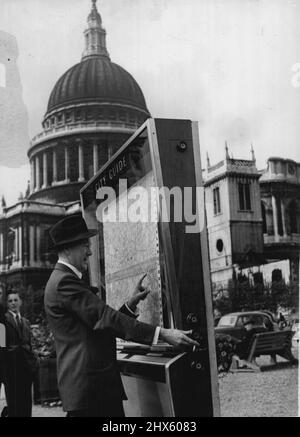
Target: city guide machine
x,y
147,202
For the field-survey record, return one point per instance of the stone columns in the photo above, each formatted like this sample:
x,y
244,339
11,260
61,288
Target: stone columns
x,y
95,158
45,170
17,244
38,242
80,163
31,175
109,151
275,221
54,162
20,245
1,248
67,164
283,218
37,173
25,243
31,244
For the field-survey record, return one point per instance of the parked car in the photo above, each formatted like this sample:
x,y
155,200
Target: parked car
x,y
232,324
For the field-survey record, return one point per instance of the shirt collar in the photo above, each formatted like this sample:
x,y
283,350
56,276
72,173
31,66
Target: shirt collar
x,y
73,268
14,314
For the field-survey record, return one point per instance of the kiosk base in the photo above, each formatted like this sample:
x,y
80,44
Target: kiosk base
x,y
151,399
161,381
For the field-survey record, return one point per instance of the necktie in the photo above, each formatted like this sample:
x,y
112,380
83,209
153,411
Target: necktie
x,y
19,322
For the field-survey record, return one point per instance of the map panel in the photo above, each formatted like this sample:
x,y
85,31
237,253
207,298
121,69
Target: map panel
x,y
131,250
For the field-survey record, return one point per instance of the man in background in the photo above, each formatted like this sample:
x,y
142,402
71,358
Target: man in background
x,y
20,362
2,306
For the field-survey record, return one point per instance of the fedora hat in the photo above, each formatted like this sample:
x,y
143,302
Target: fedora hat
x,y
69,230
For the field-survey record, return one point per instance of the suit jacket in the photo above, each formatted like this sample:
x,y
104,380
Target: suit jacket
x,y
85,329
18,353
2,314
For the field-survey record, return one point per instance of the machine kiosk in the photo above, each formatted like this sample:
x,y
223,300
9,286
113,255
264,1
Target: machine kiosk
x,y
148,203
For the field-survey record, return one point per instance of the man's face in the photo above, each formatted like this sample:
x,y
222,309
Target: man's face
x,y
79,255
14,302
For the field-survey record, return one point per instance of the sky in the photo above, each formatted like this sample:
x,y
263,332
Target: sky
x,y
226,63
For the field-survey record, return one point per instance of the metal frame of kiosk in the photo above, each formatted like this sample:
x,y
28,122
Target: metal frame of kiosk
x,y
159,380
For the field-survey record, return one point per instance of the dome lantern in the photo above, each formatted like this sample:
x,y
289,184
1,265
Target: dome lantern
x,y
95,35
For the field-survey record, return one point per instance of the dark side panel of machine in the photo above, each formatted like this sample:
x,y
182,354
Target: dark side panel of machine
x,y
178,169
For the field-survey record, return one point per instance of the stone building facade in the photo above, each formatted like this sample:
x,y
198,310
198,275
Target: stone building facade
x,y
234,222
280,203
253,217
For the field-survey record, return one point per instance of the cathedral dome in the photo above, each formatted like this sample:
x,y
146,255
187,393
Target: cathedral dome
x,y
92,110
96,80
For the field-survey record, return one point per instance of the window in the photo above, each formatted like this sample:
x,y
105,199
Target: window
x,y
220,245
291,169
279,216
239,322
11,245
293,214
89,114
267,323
264,219
217,203
257,320
227,321
244,197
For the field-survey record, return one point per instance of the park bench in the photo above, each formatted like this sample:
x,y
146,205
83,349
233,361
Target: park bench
x,y
267,343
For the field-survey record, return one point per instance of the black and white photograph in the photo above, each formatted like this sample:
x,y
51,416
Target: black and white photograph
x,y
149,210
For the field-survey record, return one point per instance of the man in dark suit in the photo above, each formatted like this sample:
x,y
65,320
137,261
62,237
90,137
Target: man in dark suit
x,y
20,362
2,306
85,328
